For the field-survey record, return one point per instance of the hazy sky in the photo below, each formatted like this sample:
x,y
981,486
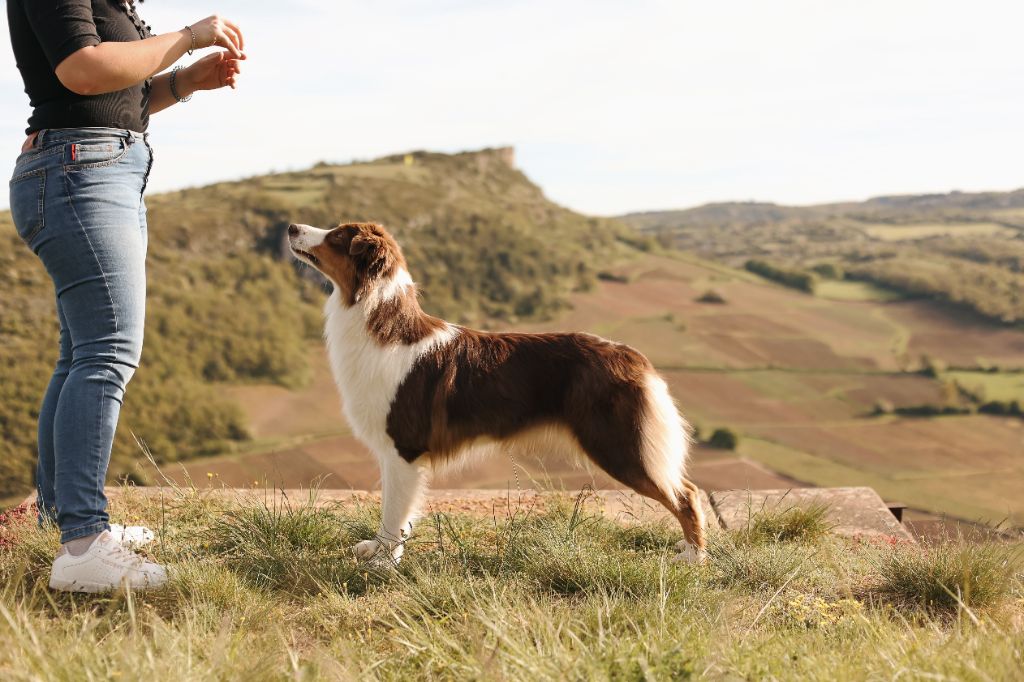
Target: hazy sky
x,y
613,106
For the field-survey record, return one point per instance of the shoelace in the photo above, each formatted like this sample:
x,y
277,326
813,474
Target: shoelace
x,y
125,555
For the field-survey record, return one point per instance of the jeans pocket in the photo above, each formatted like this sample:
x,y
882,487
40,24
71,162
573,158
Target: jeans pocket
x,y
27,195
94,153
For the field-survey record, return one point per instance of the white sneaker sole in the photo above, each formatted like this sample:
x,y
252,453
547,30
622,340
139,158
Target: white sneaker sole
x,y
95,588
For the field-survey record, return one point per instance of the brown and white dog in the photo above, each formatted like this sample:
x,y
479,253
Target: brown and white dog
x,y
419,391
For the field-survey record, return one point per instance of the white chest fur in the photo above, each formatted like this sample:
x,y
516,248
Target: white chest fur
x,y
368,374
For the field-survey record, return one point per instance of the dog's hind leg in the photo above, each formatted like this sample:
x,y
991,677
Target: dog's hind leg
x,y
403,485
687,509
690,512
640,440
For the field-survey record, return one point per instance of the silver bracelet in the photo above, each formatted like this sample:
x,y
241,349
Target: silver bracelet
x,y
173,82
193,48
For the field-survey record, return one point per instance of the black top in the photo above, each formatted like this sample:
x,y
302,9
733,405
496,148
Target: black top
x,y
45,32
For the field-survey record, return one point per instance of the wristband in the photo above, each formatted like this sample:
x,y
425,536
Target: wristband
x,y
173,83
193,33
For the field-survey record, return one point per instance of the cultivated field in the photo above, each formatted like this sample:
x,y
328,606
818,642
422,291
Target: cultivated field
x,y
797,376
889,232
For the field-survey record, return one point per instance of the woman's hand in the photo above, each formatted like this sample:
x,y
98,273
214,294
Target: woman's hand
x,y
213,71
216,31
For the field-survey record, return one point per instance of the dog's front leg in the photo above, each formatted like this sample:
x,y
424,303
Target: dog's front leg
x,y
402,487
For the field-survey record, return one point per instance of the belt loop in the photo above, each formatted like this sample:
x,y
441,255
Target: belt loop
x,y
40,138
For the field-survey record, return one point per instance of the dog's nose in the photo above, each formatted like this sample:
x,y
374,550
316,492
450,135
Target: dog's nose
x,y
293,230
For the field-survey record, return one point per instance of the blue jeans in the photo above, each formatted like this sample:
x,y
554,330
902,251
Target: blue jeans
x,y
76,200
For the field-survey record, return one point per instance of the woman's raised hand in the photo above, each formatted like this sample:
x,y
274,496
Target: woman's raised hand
x,y
216,70
216,31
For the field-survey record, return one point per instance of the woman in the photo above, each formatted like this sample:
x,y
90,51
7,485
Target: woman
x,y
89,68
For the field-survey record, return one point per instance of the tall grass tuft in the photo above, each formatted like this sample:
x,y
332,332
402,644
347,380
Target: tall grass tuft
x,y
945,578
753,567
561,551
302,548
795,524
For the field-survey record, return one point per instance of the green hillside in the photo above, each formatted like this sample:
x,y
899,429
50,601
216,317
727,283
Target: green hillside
x,y
965,250
228,305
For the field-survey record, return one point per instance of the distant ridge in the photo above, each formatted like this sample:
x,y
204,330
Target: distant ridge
x,y
912,204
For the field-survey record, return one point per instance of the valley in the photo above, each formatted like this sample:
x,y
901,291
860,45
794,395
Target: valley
x,y
796,376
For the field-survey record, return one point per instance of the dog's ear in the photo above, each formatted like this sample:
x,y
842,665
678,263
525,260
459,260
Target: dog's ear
x,y
361,243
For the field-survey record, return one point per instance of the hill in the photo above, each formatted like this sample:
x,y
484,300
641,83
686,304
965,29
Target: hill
x,y
824,379
955,214
800,378
965,250
228,306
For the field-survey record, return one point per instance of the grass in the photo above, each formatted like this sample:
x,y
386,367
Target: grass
x,y
991,385
266,590
849,290
890,232
983,501
801,524
949,577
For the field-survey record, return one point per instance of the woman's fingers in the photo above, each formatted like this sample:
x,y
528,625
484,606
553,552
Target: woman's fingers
x,y
236,39
234,27
226,38
221,33
230,68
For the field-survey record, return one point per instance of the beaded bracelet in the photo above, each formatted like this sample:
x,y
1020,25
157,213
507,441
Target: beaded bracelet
x,y
173,82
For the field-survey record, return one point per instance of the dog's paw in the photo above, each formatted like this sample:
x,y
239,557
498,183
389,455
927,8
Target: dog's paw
x,y
377,553
689,554
368,549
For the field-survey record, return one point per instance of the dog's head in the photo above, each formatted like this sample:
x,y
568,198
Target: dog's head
x,y
356,257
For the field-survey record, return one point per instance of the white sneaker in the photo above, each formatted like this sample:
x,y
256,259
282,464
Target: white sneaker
x,y
132,537
106,565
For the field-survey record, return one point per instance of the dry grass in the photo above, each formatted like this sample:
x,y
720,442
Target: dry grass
x,y
949,577
264,591
786,524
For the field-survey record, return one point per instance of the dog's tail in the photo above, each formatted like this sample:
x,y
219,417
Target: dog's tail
x,y
666,439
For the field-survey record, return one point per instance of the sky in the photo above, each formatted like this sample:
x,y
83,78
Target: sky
x,y
612,106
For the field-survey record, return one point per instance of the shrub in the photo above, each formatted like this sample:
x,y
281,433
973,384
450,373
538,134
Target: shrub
x,y
606,276
992,292
711,296
724,439
932,367
828,270
790,277
929,410
1004,408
